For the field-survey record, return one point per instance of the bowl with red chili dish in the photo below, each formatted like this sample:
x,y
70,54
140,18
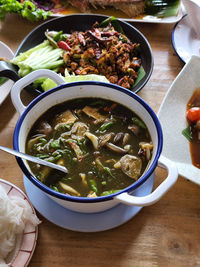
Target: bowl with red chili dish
x,y
179,115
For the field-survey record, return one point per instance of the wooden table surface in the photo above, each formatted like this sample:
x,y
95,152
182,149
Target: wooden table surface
x,y
164,234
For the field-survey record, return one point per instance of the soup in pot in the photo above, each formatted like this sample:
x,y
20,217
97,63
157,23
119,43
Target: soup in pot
x,y
104,145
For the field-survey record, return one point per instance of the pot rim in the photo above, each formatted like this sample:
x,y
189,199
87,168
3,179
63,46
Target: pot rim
x,y
59,195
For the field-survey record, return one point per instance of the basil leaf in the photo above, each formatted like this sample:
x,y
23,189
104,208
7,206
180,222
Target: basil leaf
x,y
114,22
187,133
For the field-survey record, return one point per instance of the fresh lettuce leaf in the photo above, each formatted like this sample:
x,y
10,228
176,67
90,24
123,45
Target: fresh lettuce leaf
x,y
27,9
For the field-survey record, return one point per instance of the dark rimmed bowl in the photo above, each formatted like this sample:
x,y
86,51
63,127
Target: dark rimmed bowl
x,y
80,22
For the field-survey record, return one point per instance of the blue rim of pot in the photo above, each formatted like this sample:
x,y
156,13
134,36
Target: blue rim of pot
x,y
62,196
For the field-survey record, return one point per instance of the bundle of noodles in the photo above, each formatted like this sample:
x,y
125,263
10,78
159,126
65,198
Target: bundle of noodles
x,y
131,8
14,214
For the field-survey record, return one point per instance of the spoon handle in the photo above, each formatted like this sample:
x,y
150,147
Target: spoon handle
x,y
33,159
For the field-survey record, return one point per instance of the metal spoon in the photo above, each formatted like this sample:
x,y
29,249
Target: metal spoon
x,y
33,159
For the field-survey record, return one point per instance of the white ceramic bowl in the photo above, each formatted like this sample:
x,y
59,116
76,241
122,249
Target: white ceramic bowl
x,y
193,8
75,90
176,147
6,53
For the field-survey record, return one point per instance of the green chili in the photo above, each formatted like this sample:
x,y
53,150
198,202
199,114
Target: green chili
x,y
58,36
105,126
138,122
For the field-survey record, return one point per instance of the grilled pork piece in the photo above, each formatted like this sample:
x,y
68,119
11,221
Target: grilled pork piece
x,y
131,8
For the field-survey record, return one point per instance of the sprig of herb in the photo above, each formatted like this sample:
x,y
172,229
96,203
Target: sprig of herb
x,y
187,133
114,22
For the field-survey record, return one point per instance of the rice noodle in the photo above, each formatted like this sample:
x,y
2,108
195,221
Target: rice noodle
x,y
14,214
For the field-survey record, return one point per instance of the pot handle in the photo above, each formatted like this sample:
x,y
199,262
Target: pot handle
x,y
158,192
7,70
28,79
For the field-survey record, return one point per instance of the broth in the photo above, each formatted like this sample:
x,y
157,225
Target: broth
x,y
104,146
195,131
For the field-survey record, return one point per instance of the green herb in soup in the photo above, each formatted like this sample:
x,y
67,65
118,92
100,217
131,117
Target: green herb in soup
x,y
104,146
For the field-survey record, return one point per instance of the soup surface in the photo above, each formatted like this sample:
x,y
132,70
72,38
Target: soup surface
x,y
104,146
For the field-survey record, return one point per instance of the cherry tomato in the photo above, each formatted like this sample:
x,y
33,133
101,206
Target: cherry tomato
x,y
193,114
63,45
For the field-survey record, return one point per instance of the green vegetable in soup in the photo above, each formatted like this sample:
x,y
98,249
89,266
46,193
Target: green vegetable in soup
x,y
96,141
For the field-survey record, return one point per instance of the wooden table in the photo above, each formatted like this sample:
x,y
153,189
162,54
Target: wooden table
x,y
164,234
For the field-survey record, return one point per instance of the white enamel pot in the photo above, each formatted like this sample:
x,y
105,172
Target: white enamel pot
x,y
64,92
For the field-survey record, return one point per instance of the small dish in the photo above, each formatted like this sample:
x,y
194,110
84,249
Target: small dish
x,y
25,244
185,40
192,8
172,118
5,52
82,222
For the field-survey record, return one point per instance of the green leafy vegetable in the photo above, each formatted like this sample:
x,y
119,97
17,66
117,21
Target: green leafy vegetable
x,y
114,22
141,74
187,133
27,10
162,8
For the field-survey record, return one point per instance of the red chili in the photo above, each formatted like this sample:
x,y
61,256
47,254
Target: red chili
x,y
109,109
63,45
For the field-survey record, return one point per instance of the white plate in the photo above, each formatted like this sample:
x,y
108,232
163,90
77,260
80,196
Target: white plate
x,y
6,53
26,242
185,40
145,18
172,116
82,222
